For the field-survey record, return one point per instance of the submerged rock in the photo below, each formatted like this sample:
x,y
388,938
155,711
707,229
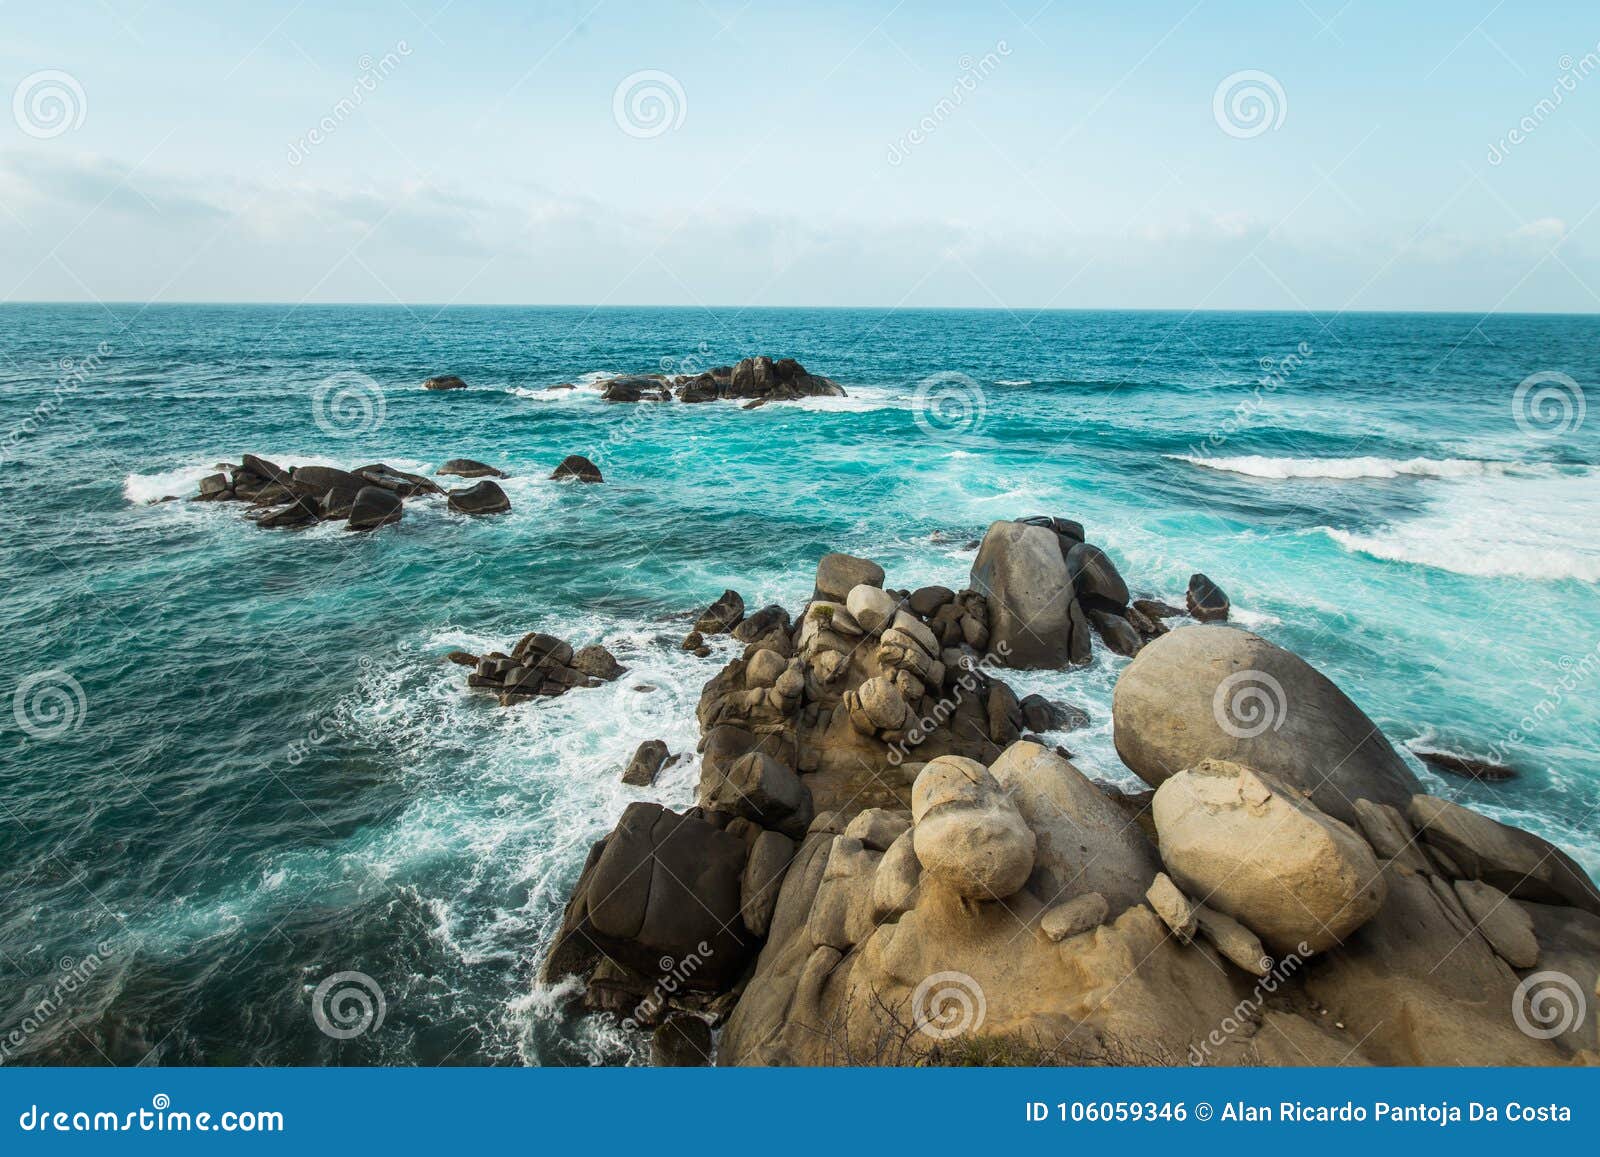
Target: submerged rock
x,y
578,467
468,468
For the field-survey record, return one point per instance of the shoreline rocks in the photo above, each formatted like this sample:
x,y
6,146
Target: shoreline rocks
x,y
870,818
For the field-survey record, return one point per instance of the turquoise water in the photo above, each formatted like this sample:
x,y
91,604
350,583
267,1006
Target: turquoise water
x,y
246,767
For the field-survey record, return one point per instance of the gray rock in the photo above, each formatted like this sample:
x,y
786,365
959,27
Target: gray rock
x,y
769,860
839,574
576,466
1503,922
1206,600
485,497
1033,611
468,468
1517,862
1095,576
1217,692
645,764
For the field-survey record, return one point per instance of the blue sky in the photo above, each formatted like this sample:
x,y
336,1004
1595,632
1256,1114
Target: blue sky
x,y
811,153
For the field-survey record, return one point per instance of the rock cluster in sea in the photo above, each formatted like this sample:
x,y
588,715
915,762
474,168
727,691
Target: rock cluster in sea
x,y
364,498
539,665
754,381
884,868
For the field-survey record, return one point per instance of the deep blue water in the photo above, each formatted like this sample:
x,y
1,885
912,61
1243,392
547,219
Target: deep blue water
x,y
234,759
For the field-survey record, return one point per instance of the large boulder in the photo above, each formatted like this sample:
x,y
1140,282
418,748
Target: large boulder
x,y
373,507
317,481
968,834
661,887
1034,618
1214,692
1258,850
484,497
1086,843
839,574
1519,863
1095,577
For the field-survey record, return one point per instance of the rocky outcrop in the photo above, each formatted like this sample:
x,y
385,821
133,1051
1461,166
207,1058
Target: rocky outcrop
x,y
444,382
908,877
636,388
542,665
1213,692
757,379
366,497
1034,617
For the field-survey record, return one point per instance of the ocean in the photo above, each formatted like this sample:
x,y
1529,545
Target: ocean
x,y
236,764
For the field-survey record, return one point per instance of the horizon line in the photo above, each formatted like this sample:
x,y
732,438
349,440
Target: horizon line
x,y
592,307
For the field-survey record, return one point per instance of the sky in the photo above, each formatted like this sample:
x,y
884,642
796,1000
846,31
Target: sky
x,y
1437,156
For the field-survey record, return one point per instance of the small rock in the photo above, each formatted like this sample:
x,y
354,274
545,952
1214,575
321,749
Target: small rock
x,y
444,382
870,606
1176,910
1466,766
468,468
1076,916
597,662
1503,922
878,828
721,616
1206,600
1236,942
927,600
579,467
465,658
839,574
646,763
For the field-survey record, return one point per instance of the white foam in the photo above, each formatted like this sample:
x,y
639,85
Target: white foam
x,y
1013,381
1259,466
1527,528
183,482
